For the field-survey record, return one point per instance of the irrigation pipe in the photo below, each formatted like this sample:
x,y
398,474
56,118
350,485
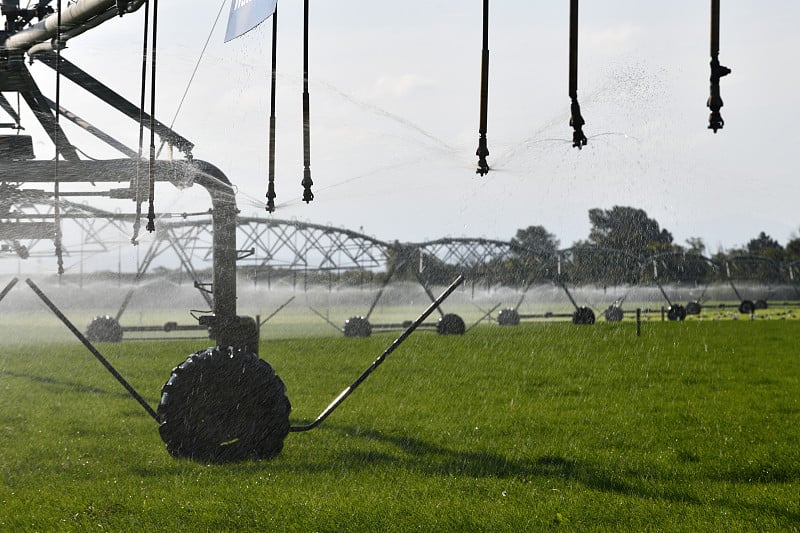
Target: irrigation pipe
x,y
8,288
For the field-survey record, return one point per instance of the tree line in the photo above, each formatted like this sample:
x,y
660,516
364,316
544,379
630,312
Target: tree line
x,y
624,246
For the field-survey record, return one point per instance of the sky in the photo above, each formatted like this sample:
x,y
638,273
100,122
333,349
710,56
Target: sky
x,y
394,91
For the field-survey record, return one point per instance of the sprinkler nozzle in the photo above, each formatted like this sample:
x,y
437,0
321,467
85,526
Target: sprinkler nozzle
x,y
576,121
483,151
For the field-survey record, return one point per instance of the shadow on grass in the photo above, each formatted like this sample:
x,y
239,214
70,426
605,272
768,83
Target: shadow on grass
x,y
420,456
416,455
62,384
435,460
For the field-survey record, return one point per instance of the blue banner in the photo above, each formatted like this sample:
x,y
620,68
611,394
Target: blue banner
x,y
246,15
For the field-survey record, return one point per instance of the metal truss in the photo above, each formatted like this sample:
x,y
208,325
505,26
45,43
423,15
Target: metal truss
x,y
470,254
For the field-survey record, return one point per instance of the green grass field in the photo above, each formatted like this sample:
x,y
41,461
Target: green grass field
x,y
691,427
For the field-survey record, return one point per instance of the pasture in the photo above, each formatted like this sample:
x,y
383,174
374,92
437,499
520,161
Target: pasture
x,y
690,427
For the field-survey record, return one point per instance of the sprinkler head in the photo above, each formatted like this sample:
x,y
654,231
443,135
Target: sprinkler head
x,y
576,121
482,152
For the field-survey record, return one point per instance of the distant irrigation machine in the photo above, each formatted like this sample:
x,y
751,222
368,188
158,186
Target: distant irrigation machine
x,y
560,268
222,403
425,262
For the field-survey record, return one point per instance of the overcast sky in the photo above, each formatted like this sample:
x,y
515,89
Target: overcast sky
x,y
394,114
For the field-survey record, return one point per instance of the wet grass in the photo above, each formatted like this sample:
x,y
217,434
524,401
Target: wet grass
x,y
690,427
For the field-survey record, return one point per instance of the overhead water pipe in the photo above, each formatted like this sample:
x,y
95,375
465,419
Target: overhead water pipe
x,y
76,18
307,182
576,120
483,149
718,71
271,185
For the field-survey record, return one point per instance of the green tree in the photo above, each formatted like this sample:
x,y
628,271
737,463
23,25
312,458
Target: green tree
x,y
766,246
628,229
792,250
537,240
532,251
696,245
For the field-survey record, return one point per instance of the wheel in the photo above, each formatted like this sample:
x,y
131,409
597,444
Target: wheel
x,y
357,326
104,329
746,307
223,406
676,312
614,313
451,324
760,304
693,308
583,316
508,317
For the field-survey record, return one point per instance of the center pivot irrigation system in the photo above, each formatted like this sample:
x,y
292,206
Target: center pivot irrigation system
x,y
222,403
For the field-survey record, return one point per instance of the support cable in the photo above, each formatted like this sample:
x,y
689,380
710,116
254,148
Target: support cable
x,y
151,215
307,182
714,103
137,223
576,120
56,196
483,149
270,207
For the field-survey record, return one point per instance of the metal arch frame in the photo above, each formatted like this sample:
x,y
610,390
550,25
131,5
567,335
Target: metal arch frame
x,y
268,240
27,214
732,260
360,250
648,261
467,252
559,278
754,258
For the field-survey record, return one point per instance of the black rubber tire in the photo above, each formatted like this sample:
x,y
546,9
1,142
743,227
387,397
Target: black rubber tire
x,y
357,326
583,316
614,313
451,324
760,304
693,308
508,317
746,307
104,329
676,312
219,406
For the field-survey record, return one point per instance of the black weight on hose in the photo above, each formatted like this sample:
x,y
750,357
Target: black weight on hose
x,y
220,406
104,329
746,307
676,312
613,313
357,326
583,316
451,324
508,317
